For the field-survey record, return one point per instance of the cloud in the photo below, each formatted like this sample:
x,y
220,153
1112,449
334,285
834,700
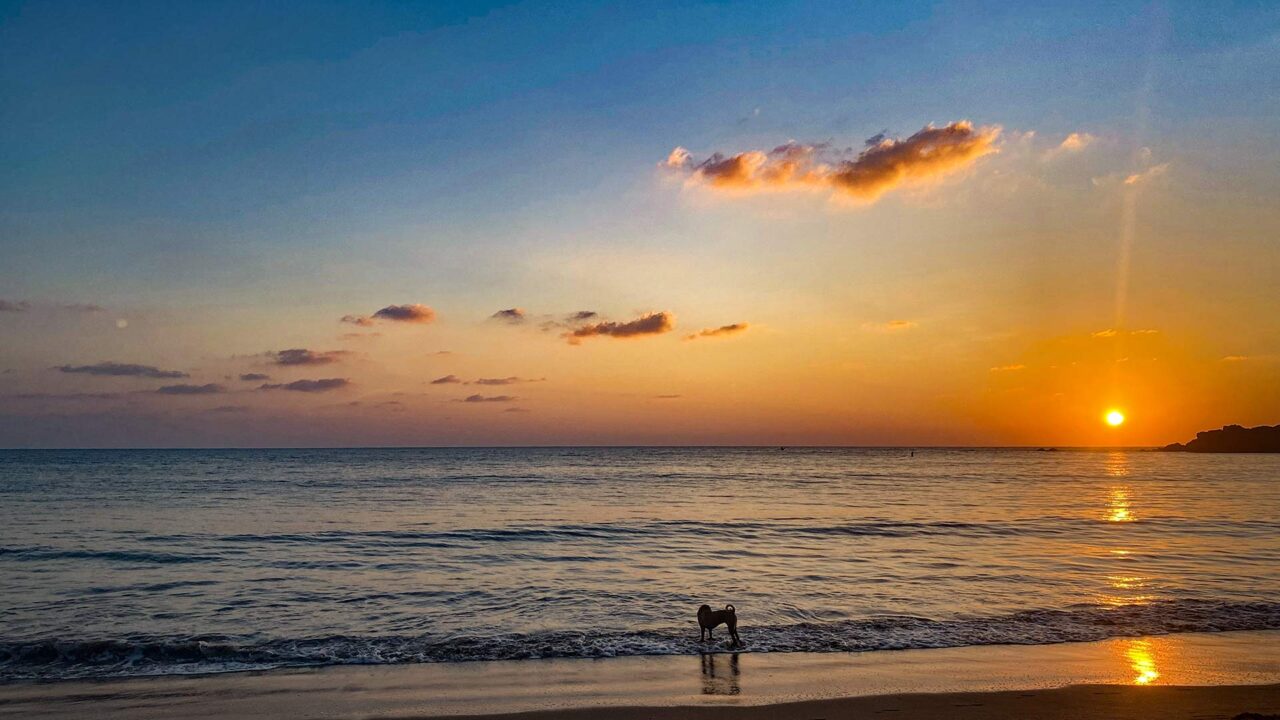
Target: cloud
x,y
229,409
1235,358
1144,176
650,324
883,165
183,389
1073,143
115,369
516,410
512,380
1145,332
406,313
308,386
582,316
413,313
302,356
23,306
890,326
489,399
1104,333
515,315
64,396
254,377
447,380
721,331
1009,368
667,397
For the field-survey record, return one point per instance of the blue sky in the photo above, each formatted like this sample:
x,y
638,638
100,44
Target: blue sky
x,y
231,167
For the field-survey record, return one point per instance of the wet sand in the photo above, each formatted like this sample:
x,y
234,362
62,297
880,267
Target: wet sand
x,y
1204,676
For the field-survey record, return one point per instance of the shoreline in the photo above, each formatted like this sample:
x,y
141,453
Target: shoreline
x,y
1235,671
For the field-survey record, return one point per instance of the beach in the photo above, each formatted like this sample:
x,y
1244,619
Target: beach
x,y
1196,675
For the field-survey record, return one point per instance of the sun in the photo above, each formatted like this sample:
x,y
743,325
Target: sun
x,y
1115,418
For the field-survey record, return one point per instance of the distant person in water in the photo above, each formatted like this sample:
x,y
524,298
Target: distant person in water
x,y
708,619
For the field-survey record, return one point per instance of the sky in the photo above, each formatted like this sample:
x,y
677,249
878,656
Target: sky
x,y
386,223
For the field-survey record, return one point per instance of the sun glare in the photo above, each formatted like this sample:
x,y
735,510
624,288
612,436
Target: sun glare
x,y
1115,418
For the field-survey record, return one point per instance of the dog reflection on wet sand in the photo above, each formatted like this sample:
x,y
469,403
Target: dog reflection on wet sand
x,y
720,680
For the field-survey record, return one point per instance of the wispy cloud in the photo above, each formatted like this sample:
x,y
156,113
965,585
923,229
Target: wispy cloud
x,y
514,315
447,380
1008,368
1235,358
254,377
512,380
309,386
83,307
115,369
303,356
489,399
181,389
721,331
412,313
1144,176
14,306
883,165
889,326
1073,143
651,324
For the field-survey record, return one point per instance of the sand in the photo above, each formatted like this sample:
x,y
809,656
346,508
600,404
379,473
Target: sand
x,y
1201,676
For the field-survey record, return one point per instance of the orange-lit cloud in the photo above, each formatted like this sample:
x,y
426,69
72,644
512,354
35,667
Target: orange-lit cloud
x,y
447,380
412,313
651,324
890,326
1152,172
309,386
1235,358
254,377
1008,368
512,380
721,331
885,164
302,356
1073,143
489,399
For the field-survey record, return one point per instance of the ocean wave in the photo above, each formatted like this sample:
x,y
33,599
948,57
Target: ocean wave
x,y
150,655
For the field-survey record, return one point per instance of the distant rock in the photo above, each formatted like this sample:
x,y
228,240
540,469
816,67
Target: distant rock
x,y
1233,439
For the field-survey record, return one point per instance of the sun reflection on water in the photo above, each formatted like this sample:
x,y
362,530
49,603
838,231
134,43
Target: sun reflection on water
x,y
1143,661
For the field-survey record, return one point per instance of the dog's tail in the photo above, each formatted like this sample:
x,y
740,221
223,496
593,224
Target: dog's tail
x,y
730,608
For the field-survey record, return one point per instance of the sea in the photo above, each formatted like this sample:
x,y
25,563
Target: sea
x,y
153,562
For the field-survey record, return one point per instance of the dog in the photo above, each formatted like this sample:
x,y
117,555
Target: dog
x,y
708,619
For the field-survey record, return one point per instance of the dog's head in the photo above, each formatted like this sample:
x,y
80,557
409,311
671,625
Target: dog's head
x,y
704,609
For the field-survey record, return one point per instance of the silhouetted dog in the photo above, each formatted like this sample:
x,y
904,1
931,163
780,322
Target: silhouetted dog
x,y
708,619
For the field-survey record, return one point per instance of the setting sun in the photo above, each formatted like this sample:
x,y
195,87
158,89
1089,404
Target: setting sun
x,y
1115,418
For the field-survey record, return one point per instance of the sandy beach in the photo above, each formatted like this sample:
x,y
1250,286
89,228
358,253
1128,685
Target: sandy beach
x,y
1207,675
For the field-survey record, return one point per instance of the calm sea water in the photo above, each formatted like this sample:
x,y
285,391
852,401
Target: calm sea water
x,y
139,562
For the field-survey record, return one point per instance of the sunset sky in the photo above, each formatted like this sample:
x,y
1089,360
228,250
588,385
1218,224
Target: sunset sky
x,y
302,224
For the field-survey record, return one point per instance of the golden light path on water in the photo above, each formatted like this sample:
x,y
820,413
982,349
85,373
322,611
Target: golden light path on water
x,y
1124,587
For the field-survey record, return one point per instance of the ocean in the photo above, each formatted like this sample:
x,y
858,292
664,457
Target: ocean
x,y
146,562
